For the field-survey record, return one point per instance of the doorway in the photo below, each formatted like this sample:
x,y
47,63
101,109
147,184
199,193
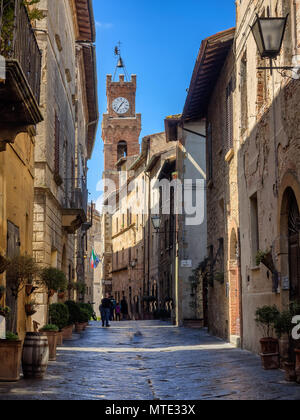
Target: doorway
x,y
294,246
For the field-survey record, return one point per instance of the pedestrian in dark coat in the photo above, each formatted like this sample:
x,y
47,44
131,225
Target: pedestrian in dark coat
x,y
124,308
106,310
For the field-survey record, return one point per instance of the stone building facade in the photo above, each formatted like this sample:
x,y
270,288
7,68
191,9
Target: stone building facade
x,y
268,166
19,97
65,139
252,156
211,98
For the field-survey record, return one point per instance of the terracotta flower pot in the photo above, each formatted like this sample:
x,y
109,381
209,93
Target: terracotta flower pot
x,y
270,361
67,332
79,328
52,342
290,372
10,360
29,310
51,293
269,345
61,295
60,339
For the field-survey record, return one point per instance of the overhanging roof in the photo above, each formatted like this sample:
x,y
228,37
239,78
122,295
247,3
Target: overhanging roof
x,y
85,20
211,59
89,57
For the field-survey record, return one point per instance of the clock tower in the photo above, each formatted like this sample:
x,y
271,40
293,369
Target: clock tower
x,y
121,126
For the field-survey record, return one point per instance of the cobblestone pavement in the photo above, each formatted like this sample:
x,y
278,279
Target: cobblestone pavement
x,y
152,361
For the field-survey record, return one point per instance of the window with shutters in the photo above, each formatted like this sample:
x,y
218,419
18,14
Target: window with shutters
x,y
244,95
57,175
229,117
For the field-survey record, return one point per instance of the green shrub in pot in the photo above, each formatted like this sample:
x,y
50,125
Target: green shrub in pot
x,y
59,315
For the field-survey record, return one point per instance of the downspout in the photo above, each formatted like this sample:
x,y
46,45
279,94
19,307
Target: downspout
x,y
148,229
240,279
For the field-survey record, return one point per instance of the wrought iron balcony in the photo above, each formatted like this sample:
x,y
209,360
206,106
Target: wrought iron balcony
x,y
20,78
75,204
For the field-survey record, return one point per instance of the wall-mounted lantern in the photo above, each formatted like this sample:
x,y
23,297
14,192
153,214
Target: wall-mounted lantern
x,y
269,33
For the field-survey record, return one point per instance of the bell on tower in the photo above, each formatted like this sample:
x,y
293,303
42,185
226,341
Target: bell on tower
x,y
120,63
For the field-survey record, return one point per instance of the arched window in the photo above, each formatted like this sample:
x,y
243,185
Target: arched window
x,y
122,149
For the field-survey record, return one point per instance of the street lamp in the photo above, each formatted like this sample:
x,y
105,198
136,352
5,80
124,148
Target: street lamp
x,y
269,33
156,222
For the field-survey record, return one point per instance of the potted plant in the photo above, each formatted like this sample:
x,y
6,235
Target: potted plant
x,y
266,317
30,308
284,326
266,258
10,358
90,312
61,294
51,331
4,311
74,313
54,280
59,315
21,271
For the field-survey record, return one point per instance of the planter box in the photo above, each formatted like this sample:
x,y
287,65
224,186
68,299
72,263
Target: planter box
x,y
270,361
67,332
269,345
79,328
298,365
10,360
60,339
52,342
290,372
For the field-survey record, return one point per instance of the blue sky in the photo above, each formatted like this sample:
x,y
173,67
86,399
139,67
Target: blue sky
x,y
160,42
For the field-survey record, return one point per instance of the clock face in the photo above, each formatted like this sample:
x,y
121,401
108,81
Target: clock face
x,y
121,105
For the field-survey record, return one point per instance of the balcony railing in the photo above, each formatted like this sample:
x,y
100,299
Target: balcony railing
x,y
18,42
76,194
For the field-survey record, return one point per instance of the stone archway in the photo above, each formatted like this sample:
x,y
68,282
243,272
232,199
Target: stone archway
x,y
234,289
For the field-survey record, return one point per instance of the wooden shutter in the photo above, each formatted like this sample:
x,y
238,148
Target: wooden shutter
x,y
13,240
56,146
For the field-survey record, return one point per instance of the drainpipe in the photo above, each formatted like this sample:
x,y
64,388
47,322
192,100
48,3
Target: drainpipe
x,y
149,225
241,290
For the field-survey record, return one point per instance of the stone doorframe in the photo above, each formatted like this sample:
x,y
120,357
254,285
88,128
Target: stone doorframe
x,y
289,182
234,285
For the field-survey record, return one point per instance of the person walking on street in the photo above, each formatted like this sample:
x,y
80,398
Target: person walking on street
x,y
118,312
106,310
113,308
124,309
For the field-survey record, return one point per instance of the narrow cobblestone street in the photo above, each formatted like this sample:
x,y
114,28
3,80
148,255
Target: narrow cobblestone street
x,y
152,361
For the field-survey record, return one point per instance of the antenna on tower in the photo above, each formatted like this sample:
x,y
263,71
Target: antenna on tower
x,y
120,63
